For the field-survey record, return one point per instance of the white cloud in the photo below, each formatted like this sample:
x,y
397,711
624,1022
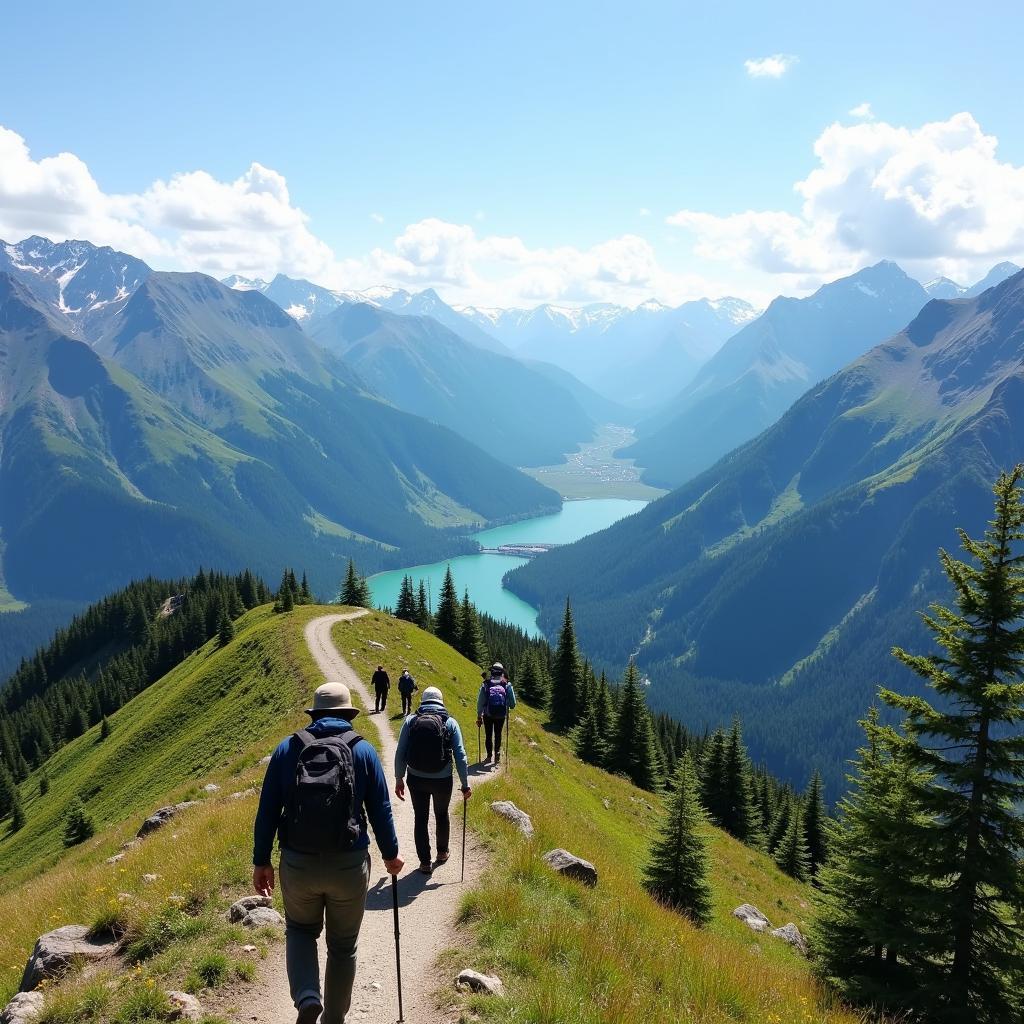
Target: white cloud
x,y
863,111
930,197
379,218
774,66
644,212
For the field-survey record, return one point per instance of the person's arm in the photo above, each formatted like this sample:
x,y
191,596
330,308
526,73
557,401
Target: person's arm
x,y
387,679
481,701
511,701
400,762
459,750
378,807
268,818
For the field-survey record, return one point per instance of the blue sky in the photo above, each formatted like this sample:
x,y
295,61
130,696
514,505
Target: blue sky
x,y
521,153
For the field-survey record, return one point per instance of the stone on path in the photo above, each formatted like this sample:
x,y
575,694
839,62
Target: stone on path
x,y
23,1008
571,866
241,907
161,816
509,811
791,934
184,1006
488,983
56,951
752,917
262,917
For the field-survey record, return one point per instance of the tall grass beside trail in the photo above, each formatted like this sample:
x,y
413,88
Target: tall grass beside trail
x,y
611,955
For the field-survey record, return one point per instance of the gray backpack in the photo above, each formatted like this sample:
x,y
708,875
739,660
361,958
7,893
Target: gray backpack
x,y
321,813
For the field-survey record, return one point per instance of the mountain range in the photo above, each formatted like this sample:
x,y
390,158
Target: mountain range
x,y
774,583
944,288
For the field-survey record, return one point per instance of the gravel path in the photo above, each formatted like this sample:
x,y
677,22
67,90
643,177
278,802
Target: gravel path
x,y
428,906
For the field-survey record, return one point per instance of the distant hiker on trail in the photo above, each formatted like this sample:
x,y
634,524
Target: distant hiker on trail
x,y
381,685
406,688
493,703
428,742
321,787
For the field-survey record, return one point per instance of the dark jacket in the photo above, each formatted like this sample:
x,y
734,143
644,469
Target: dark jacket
x,y
380,680
371,793
406,684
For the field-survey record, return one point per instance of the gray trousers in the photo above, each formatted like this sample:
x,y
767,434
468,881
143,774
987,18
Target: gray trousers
x,y
316,888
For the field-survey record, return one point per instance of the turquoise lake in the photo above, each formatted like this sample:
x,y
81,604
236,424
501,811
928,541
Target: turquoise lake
x,y
482,573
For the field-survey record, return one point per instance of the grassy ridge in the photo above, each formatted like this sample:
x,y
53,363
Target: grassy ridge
x,y
611,955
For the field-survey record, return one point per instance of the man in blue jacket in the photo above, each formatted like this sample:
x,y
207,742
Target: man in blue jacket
x,y
428,742
493,703
328,876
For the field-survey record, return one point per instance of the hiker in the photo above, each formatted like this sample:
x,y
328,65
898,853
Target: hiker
x,y
429,740
406,688
493,703
322,786
381,685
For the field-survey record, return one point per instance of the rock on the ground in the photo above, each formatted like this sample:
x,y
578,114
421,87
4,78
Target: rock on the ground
x,y
23,1008
242,794
568,864
248,949
752,917
260,917
488,983
56,951
266,760
550,760
376,645
211,787
520,819
241,907
791,934
131,844
116,859
149,878
184,1006
606,804
161,816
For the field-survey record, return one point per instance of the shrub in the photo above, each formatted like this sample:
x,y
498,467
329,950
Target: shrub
x,y
209,971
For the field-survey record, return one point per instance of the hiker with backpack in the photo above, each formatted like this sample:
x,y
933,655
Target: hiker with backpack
x,y
381,684
406,688
427,744
322,786
493,703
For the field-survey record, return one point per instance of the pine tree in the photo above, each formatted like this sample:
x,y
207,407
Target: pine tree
x,y
713,794
780,823
447,621
305,595
8,791
355,591
815,819
472,645
566,676
870,901
225,628
44,783
287,600
973,750
677,872
634,752
406,606
531,684
791,854
17,814
424,619
104,728
741,817
78,824
590,740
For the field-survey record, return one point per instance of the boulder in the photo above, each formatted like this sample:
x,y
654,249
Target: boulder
x,y
184,1006
161,816
57,951
243,794
571,866
263,917
490,984
23,1008
376,645
509,811
241,907
116,859
752,917
211,787
550,760
791,934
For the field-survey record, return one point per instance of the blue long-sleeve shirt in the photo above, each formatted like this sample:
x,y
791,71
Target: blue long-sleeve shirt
x,y
371,793
481,698
455,740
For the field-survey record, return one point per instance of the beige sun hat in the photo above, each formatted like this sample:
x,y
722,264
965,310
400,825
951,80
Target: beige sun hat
x,y
332,696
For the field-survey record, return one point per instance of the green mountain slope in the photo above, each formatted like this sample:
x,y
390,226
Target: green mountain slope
x,y
215,715
774,583
518,415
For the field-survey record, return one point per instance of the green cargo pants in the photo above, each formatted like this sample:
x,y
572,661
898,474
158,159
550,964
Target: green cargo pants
x,y
318,887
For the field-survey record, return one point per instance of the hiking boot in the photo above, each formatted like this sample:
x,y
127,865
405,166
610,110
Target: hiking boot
x,y
309,1011
426,869
487,759
442,858
497,758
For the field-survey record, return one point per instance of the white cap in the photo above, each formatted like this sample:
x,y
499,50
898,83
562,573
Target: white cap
x,y
432,693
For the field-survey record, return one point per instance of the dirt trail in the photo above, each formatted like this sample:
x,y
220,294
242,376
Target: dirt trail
x,y
428,906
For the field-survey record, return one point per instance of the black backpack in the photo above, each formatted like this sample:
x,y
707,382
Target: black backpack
x,y
429,749
321,813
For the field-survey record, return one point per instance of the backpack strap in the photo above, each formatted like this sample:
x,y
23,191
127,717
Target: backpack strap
x,y
351,738
305,738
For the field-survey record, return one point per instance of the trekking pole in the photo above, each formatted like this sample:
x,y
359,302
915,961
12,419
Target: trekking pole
x,y
465,808
398,946
508,744
477,742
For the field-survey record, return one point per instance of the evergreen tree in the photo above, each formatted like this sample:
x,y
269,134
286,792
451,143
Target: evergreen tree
x,y
406,606
973,750
590,739
287,600
869,902
78,824
8,791
531,684
815,820
566,676
677,872
781,822
740,812
448,620
713,793
791,854
17,813
305,594
634,753
104,728
44,783
424,618
472,645
355,591
225,628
